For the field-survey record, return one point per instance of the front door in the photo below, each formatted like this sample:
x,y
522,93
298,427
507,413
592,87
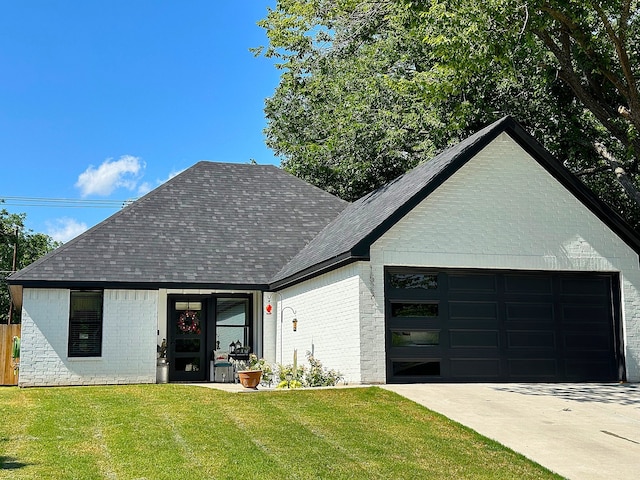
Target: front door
x,y
187,340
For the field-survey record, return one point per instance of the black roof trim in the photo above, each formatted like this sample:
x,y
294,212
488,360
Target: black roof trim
x,y
141,285
317,270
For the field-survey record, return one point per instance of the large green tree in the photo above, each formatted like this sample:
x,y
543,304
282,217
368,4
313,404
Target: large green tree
x,y
26,246
371,88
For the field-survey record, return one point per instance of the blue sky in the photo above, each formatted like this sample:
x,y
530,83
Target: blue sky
x,y
105,100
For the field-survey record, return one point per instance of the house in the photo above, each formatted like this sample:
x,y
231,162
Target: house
x,y
489,263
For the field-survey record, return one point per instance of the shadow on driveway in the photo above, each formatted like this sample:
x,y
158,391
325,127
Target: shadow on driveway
x,y
618,394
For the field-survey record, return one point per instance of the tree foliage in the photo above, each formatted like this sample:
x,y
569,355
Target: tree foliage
x,y
370,88
28,247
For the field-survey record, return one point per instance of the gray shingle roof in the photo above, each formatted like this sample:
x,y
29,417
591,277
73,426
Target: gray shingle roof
x,y
349,236
233,225
214,224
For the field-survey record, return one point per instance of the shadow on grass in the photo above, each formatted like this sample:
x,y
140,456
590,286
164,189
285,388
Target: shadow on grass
x,y
10,463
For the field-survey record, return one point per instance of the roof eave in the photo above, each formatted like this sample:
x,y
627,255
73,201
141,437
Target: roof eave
x,y
15,291
119,285
318,269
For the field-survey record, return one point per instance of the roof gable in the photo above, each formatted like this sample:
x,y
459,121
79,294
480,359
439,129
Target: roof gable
x,y
213,224
349,237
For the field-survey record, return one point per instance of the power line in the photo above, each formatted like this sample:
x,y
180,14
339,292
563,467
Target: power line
x,y
63,202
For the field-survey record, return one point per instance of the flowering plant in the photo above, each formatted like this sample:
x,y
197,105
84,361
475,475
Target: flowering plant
x,y
251,364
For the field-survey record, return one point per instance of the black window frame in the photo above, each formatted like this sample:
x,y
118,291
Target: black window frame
x,y
87,323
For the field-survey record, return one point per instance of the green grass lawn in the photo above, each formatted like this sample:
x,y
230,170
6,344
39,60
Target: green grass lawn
x,y
186,432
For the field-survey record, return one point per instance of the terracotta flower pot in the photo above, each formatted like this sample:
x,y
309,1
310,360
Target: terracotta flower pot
x,y
250,378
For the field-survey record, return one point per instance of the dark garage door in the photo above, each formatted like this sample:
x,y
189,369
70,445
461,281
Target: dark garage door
x,y
497,326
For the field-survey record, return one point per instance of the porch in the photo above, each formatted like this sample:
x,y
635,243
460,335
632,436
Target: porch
x,y
206,336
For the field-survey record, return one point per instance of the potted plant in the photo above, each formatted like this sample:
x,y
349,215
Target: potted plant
x,y
250,373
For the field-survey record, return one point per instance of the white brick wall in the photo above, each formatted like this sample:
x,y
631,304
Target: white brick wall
x,y
372,327
269,328
128,340
328,312
502,210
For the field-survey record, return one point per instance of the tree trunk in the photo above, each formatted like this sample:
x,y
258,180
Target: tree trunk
x,y
621,175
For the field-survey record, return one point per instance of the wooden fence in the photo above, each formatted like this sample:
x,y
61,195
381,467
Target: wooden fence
x,y
7,374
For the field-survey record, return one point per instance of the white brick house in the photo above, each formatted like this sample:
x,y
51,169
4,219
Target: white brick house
x,y
489,263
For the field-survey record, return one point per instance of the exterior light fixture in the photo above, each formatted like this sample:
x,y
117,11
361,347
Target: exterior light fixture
x,y
295,324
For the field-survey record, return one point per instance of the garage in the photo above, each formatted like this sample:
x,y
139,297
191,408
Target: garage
x,y
502,326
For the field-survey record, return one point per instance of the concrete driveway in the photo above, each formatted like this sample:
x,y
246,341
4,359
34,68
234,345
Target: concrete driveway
x,y
580,431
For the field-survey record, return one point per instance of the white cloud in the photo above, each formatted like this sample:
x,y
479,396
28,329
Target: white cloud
x,y
112,174
171,175
64,229
144,188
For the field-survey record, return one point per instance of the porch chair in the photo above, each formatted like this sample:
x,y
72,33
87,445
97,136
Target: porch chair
x,y
221,370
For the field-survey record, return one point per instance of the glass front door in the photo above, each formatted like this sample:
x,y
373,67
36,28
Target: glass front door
x,y
198,325
187,346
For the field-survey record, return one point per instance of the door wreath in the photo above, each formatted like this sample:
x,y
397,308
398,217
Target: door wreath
x,y
189,322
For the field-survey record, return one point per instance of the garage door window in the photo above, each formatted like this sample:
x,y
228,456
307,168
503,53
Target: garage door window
x,y
415,339
428,368
413,280
414,309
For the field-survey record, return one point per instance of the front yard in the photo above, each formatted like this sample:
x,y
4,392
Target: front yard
x,y
186,432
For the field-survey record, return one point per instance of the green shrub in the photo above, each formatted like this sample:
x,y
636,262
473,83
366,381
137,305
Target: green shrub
x,y
318,376
314,375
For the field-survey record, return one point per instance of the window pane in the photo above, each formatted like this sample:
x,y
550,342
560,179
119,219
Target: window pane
x,y
188,305
413,280
85,324
417,368
188,364
228,335
414,309
232,311
415,339
189,345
